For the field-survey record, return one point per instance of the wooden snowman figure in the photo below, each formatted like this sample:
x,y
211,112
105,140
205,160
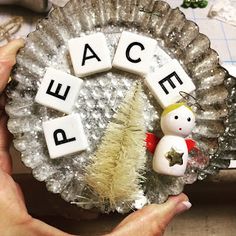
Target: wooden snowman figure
x,y
171,154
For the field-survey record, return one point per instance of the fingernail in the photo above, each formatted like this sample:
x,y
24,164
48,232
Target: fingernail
x,y
183,206
11,48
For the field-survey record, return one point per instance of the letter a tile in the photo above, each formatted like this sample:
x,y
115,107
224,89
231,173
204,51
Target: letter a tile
x,y
134,53
168,82
58,90
89,54
64,136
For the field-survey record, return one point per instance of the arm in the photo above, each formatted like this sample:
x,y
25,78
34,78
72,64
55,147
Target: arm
x,y
191,144
151,142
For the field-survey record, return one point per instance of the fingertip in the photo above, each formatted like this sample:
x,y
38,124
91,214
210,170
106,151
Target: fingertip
x,y
182,207
175,205
11,48
18,42
187,204
14,44
179,203
8,59
175,200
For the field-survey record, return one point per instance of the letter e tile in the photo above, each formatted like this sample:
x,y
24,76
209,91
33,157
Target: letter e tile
x,y
58,90
167,83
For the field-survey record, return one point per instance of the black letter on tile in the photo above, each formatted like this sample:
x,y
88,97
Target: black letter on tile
x,y
56,93
128,51
62,139
85,57
168,79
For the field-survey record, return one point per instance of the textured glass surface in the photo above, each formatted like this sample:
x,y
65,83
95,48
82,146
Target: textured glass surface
x,y
102,93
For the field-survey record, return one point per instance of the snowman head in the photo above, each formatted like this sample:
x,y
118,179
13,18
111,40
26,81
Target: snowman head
x,y
177,119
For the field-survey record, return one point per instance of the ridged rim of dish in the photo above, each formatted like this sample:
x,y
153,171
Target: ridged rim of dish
x,y
170,27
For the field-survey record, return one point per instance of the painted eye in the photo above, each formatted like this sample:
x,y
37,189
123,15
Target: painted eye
x,y
176,117
189,119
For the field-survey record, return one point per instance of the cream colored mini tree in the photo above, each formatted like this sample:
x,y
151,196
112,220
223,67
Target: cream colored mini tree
x,y
117,167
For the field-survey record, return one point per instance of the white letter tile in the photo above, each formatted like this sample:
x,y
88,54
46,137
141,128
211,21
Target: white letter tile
x,y
64,136
89,54
58,90
134,53
167,82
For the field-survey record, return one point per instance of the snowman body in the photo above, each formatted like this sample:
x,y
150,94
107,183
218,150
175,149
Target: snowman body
x,y
171,154
175,164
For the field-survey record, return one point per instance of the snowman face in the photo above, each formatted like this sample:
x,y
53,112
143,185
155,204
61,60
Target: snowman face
x,y
180,122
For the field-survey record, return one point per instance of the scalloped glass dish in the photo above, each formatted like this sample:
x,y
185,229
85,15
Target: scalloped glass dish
x,y
102,93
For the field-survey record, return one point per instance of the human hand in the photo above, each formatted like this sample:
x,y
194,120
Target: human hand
x,y
153,219
14,218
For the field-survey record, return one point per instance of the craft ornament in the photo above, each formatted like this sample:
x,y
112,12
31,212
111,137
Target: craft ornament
x,y
101,95
171,154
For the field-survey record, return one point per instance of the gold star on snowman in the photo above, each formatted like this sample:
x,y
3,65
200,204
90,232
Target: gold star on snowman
x,y
174,157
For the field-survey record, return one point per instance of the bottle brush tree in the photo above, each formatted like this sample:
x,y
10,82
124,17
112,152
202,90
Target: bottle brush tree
x,y
116,171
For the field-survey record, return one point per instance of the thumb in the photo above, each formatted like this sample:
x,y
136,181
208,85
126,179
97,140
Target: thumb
x,y
152,219
8,59
174,206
